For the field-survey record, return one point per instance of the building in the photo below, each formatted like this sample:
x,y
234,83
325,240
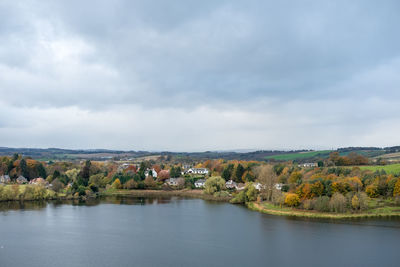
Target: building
x,y
172,181
200,183
21,180
151,172
258,186
38,181
5,179
203,171
278,187
230,184
308,165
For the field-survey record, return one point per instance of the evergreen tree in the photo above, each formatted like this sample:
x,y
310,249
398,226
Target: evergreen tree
x,y
227,172
239,173
24,169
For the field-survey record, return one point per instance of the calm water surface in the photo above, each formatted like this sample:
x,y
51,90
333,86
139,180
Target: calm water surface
x,y
185,232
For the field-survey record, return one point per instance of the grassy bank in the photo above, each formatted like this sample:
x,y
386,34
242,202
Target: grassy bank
x,y
268,208
163,193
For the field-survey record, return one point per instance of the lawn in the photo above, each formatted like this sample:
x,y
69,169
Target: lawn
x,y
391,168
300,155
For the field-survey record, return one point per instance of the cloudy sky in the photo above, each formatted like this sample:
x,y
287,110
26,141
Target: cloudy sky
x,y
199,75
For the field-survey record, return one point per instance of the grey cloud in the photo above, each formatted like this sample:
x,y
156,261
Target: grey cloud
x,y
287,69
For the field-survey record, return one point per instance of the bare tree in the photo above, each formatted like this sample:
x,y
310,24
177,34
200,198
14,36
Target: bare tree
x,y
267,178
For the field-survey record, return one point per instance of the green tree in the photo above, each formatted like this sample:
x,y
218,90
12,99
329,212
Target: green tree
x,y
227,172
24,169
214,184
239,173
41,170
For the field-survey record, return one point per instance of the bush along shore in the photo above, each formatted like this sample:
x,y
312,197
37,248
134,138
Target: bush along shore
x,y
269,208
187,193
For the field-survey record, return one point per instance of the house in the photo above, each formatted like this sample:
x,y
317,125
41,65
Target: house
x,y
200,183
308,165
21,180
5,179
230,184
151,172
38,181
258,186
278,187
186,166
198,171
172,181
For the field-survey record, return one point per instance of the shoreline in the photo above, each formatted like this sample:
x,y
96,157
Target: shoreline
x,y
275,210
163,193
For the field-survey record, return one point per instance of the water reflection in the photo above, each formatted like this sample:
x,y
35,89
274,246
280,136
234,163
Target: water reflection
x,y
117,200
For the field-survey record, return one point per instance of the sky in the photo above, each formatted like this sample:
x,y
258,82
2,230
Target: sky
x,y
199,75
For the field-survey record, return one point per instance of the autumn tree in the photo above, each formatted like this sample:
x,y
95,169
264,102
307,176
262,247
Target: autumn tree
x,y
355,202
149,182
337,203
267,178
295,177
116,184
396,190
292,200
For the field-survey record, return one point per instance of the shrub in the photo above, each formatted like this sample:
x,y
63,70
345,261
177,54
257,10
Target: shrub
x,y
81,190
131,184
278,198
239,198
221,194
117,184
321,204
372,190
355,202
308,204
338,203
94,188
396,190
363,200
292,200
149,182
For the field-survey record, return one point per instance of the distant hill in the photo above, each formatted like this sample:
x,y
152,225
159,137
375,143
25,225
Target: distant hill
x,y
261,155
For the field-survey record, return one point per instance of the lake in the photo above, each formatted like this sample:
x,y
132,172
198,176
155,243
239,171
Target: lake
x,y
185,232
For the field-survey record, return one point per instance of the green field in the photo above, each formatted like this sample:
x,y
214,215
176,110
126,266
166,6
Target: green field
x,y
392,168
301,155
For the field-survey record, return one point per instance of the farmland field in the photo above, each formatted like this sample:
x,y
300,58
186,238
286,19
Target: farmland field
x,y
392,168
300,155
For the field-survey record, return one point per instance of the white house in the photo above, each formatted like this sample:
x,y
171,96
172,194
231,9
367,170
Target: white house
x,y
38,181
278,186
200,183
5,179
198,171
230,184
258,186
153,173
308,165
172,181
